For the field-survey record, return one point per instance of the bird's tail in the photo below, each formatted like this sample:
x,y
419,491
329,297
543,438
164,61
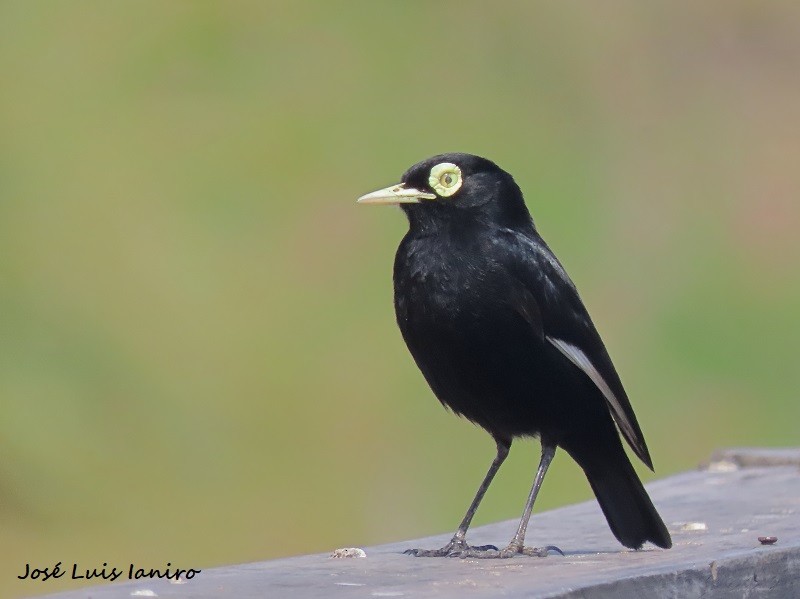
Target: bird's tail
x,y
630,513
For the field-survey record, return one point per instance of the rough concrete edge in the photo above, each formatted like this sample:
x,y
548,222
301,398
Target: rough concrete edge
x,y
740,576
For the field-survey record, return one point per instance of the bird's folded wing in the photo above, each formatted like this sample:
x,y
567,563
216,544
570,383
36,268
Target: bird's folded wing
x,y
566,324
575,355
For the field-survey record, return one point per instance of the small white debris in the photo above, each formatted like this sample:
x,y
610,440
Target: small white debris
x,y
144,593
349,552
723,466
690,526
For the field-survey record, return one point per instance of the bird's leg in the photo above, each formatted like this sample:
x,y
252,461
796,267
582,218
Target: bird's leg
x,y
458,544
517,544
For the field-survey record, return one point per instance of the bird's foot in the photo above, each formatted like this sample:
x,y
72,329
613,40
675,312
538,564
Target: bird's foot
x,y
455,548
512,550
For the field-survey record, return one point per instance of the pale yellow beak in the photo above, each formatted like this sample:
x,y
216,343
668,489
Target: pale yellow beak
x,y
396,194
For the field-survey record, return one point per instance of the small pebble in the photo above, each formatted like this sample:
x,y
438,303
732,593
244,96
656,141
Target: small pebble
x,y
767,540
694,526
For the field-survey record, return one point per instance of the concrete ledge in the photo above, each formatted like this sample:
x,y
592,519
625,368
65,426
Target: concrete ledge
x,y
716,516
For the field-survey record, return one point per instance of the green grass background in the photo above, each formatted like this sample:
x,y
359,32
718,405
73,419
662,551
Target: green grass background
x,y
198,357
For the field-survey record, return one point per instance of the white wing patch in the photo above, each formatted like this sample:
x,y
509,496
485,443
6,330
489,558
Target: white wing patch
x,y
576,356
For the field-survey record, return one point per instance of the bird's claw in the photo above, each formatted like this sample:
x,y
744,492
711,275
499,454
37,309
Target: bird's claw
x,y
541,551
510,551
455,548
460,548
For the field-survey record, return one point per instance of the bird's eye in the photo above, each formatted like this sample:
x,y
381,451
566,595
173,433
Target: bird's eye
x,y
445,179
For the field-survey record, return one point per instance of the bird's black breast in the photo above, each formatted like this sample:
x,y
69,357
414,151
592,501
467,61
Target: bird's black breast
x,y
458,310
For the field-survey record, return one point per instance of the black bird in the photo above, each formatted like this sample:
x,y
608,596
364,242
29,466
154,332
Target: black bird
x,y
499,332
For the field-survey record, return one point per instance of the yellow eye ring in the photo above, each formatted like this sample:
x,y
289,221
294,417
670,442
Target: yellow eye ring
x,y
445,179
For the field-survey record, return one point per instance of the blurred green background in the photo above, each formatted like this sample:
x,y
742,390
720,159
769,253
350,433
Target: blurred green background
x,y
198,357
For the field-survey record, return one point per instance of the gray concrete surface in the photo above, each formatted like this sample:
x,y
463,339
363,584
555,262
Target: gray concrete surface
x,y
715,514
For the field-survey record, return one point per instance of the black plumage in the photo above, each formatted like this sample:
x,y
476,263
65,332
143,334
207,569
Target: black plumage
x,y
499,332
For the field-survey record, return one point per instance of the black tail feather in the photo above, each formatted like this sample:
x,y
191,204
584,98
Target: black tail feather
x,y
627,506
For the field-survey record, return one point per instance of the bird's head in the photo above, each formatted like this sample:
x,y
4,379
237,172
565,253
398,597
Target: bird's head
x,y
455,186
